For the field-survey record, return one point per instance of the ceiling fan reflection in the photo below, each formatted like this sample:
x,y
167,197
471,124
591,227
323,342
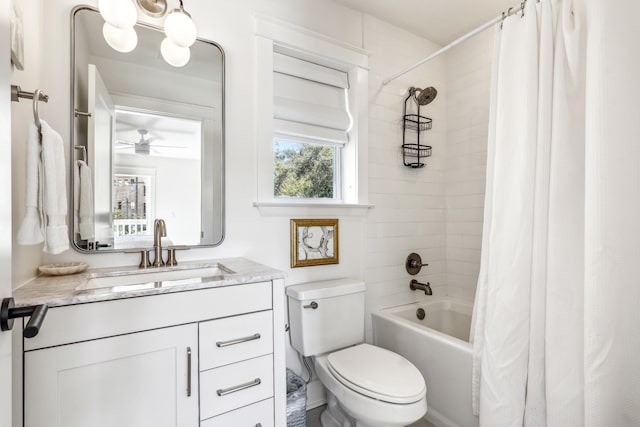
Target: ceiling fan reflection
x,y
143,146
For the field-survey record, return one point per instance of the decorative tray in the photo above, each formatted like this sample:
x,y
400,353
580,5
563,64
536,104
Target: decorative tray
x,y
64,268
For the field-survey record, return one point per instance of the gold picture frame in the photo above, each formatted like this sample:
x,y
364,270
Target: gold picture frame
x,y
314,242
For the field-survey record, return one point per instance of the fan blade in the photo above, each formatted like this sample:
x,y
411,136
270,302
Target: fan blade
x,y
168,146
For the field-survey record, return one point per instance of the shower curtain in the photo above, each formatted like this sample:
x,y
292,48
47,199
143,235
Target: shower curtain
x,y
556,324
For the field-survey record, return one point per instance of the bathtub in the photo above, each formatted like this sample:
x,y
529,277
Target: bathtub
x,y
439,347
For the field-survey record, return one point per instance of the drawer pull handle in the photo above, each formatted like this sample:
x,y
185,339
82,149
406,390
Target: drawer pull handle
x,y
221,344
225,391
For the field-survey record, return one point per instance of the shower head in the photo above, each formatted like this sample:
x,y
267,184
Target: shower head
x,y
426,96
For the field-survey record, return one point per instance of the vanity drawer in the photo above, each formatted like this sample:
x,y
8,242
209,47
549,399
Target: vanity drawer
x,y
82,322
260,413
233,386
236,338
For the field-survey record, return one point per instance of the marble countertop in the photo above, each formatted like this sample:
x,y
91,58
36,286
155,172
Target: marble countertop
x,y
58,291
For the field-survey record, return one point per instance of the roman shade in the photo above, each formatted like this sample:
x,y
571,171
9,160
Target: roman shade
x,y
310,101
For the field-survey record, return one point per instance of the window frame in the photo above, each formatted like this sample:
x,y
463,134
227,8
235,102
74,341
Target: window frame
x,y
276,36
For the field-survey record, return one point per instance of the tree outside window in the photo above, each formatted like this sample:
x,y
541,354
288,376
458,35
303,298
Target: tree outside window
x,y
304,170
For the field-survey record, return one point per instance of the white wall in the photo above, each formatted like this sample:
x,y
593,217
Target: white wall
x,y
25,258
409,214
6,378
468,81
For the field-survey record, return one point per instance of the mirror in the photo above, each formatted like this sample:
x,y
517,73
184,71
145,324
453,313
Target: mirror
x,y
147,141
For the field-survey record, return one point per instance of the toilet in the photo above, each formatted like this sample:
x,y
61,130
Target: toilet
x,y
367,386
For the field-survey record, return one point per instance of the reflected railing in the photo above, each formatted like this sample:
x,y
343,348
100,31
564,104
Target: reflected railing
x,y
127,227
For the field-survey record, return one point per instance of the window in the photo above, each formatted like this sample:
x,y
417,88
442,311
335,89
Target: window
x,y
305,170
311,122
131,199
311,126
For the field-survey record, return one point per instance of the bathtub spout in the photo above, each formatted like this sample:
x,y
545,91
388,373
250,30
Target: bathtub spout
x,y
415,285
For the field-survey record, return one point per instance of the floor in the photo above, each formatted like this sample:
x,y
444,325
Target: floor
x,y
313,419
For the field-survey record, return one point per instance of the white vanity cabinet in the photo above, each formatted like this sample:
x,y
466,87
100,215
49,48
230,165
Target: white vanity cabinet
x,y
141,379
209,357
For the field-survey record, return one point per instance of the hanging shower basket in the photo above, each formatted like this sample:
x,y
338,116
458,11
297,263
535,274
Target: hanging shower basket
x,y
413,151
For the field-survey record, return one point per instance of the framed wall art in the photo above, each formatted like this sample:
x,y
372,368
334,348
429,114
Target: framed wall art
x,y
17,36
314,242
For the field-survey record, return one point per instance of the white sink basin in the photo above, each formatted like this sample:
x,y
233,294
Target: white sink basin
x,y
150,279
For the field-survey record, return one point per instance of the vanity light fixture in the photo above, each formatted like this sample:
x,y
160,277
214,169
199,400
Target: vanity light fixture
x,y
181,34
121,39
179,27
153,8
119,13
120,17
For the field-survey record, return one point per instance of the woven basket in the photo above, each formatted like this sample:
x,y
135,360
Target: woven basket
x,y
296,400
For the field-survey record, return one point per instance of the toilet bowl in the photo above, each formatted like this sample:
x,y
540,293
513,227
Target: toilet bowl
x,y
373,386
367,386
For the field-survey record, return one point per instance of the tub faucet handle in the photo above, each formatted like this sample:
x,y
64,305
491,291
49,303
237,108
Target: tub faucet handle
x,y
414,264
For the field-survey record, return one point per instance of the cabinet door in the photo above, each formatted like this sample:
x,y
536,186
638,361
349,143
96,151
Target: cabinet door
x,y
142,379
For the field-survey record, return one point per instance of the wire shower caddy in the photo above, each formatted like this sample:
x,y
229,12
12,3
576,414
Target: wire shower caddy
x,y
413,151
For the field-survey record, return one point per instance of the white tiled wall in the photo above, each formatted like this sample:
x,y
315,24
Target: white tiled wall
x,y
409,212
468,82
436,211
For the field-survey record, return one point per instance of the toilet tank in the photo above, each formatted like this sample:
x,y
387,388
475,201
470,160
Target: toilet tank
x,y
336,322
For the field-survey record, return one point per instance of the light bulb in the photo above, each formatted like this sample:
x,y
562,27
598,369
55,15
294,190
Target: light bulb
x,y
118,13
179,28
122,40
174,55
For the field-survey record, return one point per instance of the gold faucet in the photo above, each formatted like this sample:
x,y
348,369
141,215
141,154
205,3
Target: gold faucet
x,y
159,231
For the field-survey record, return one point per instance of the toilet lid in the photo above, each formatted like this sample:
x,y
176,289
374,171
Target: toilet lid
x,y
378,373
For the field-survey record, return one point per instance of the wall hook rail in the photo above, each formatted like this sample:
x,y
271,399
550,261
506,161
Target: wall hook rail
x,y
17,93
78,113
8,312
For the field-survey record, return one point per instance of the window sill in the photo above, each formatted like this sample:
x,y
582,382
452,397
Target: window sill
x,y
311,209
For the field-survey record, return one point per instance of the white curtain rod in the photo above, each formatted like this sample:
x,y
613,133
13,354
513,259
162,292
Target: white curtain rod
x,y
457,41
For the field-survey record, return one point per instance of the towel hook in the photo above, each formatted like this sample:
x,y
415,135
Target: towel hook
x,y
83,150
36,115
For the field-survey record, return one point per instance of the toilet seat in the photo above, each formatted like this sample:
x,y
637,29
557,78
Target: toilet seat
x,y
377,373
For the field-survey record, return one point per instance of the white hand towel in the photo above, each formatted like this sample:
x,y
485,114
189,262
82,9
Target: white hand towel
x,y
54,190
76,197
85,202
30,232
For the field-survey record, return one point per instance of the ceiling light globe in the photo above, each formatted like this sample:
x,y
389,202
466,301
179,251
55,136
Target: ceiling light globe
x,y
175,55
118,13
121,39
180,29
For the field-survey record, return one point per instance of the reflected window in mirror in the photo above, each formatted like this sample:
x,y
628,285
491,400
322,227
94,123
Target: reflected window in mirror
x,y
131,197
